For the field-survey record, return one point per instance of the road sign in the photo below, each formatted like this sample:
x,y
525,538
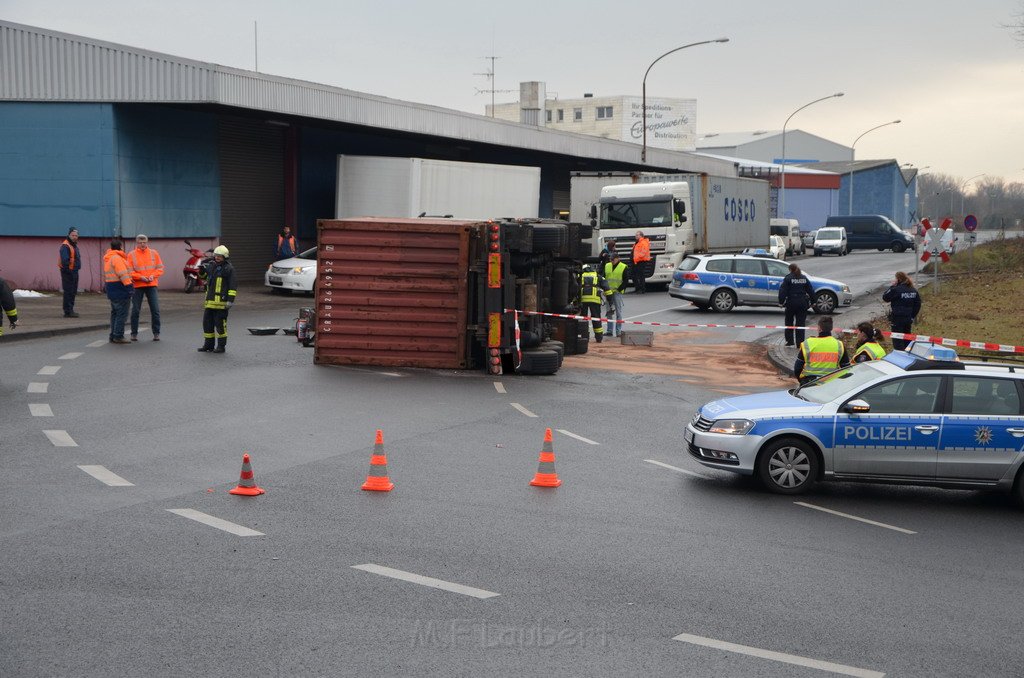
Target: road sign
x,y
934,237
970,222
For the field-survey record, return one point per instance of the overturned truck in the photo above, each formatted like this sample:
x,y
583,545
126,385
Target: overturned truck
x,y
438,293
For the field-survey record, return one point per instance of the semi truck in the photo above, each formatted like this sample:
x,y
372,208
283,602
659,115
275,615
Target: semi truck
x,y
438,293
413,187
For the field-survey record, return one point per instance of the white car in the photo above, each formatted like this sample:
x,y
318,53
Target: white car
x,y
777,246
297,273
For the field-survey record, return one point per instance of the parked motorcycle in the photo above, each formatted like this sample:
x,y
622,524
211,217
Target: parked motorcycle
x,y
196,261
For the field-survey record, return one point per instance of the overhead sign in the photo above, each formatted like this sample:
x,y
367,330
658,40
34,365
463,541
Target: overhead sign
x,y
937,240
970,222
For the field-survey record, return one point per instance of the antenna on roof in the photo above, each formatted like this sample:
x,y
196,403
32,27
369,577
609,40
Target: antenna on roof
x,y
255,47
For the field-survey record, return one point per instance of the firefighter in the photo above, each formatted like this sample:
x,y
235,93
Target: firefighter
x,y
8,306
869,344
821,354
592,288
219,275
614,274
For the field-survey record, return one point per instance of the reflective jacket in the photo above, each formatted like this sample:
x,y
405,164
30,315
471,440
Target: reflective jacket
x,y
614,275
590,288
220,284
117,277
7,304
820,355
145,264
642,250
69,259
287,247
869,350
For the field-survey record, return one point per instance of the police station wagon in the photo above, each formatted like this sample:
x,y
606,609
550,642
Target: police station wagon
x,y
918,417
723,281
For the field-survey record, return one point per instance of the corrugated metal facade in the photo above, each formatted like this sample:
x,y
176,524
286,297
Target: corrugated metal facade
x,y
42,65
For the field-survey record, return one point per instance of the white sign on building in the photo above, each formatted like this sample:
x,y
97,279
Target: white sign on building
x,y
671,123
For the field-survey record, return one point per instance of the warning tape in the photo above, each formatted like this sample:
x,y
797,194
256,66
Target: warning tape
x,y
945,341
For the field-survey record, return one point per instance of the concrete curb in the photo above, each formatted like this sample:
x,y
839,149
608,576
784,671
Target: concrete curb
x,y
17,335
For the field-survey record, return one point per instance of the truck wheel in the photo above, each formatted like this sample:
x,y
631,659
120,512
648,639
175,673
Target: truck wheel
x,y
548,237
556,346
582,345
825,303
723,300
539,361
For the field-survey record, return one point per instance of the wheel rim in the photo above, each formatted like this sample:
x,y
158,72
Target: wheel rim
x,y
723,301
789,467
825,304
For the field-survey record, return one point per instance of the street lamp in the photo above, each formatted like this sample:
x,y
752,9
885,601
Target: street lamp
x,y
782,189
853,149
962,187
643,104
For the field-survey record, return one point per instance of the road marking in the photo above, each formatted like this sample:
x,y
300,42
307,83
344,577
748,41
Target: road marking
x,y
523,410
847,515
40,410
499,387
425,581
60,439
105,476
38,386
588,441
71,356
49,370
218,523
676,468
98,343
841,669
644,315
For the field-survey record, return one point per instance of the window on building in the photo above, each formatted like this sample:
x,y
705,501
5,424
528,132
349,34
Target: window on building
x,y
577,115
547,115
604,112
561,115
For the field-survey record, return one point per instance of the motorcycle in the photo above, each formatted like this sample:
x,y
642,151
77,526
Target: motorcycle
x,y
196,261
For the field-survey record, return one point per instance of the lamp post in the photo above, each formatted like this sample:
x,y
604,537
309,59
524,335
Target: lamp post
x,y
961,191
643,104
853,148
782,188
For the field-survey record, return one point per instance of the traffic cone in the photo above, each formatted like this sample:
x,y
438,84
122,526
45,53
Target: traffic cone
x,y
546,476
378,480
246,485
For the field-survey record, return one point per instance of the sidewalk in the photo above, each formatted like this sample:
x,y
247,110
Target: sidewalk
x,y
44,316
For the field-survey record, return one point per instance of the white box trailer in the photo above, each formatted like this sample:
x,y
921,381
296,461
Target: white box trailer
x,y
410,187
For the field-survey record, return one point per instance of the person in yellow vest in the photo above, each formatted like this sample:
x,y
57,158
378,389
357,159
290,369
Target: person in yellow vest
x,y
591,294
869,344
117,280
614,274
147,267
821,354
642,264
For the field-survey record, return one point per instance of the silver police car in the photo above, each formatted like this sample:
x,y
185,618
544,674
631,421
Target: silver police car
x,y
917,417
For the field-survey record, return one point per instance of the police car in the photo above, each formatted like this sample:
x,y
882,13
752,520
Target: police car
x,y
723,281
917,417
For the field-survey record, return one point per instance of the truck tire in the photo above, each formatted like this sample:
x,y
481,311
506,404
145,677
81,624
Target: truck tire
x,y
539,361
582,345
548,237
556,346
529,339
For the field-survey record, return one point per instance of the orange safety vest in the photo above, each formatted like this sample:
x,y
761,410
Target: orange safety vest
x,y
115,268
145,264
642,250
291,243
71,259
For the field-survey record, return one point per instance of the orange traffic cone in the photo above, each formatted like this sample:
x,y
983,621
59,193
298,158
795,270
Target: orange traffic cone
x,y
378,480
246,485
546,476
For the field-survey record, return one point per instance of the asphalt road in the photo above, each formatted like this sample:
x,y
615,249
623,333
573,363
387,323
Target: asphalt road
x,y
641,563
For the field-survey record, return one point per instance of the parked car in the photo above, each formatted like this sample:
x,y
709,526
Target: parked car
x,y
789,229
808,239
777,246
297,273
723,281
872,232
831,240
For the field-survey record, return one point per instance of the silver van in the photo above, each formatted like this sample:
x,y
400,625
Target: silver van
x,y
831,240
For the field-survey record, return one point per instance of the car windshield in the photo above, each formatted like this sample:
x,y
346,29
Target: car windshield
x,y
838,383
828,234
308,254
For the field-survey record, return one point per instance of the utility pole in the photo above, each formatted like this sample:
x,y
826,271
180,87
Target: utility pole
x,y
489,74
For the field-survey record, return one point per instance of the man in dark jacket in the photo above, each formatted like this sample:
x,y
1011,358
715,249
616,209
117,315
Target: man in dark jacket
x,y
7,306
70,263
795,294
219,275
905,302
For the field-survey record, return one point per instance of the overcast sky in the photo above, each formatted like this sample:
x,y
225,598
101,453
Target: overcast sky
x,y
948,69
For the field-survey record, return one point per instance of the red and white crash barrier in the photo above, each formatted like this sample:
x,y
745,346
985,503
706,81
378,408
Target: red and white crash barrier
x,y
945,341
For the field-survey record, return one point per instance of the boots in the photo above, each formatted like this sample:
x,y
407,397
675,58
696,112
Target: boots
x,y
207,346
221,345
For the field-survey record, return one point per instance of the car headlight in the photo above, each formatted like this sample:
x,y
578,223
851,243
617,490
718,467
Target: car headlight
x,y
735,427
301,269
846,288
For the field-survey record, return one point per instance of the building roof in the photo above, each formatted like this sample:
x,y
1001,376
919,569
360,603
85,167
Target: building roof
x,y
732,139
49,66
808,168
847,166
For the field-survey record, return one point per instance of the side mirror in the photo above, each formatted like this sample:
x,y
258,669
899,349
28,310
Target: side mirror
x,y
593,211
857,407
682,218
188,244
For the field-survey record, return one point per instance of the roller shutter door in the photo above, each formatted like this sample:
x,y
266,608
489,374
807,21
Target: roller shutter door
x,y
251,157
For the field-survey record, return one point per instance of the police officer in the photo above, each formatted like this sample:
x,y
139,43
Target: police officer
x,y
795,294
821,354
219,275
8,306
869,344
905,302
592,288
615,276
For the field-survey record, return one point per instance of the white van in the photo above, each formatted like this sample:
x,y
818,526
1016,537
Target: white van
x,y
789,229
831,240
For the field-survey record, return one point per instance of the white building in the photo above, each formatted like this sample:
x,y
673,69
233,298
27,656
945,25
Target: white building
x,y
766,146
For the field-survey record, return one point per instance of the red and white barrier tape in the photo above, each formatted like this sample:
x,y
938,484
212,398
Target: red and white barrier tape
x,y
945,341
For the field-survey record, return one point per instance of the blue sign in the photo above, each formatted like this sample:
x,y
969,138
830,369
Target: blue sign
x,y
970,222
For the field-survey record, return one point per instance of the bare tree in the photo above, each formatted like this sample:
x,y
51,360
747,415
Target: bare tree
x,y
1016,26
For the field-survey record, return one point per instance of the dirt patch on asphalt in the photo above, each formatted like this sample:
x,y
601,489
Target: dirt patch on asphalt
x,y
732,368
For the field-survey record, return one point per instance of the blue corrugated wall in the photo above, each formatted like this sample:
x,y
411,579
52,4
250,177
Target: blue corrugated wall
x,y
880,190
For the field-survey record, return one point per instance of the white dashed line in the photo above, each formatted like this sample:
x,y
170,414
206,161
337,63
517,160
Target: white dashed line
x,y
98,343
71,356
218,523
499,387
38,386
49,370
40,410
841,669
60,439
106,477
425,581
847,515
676,468
588,441
523,410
